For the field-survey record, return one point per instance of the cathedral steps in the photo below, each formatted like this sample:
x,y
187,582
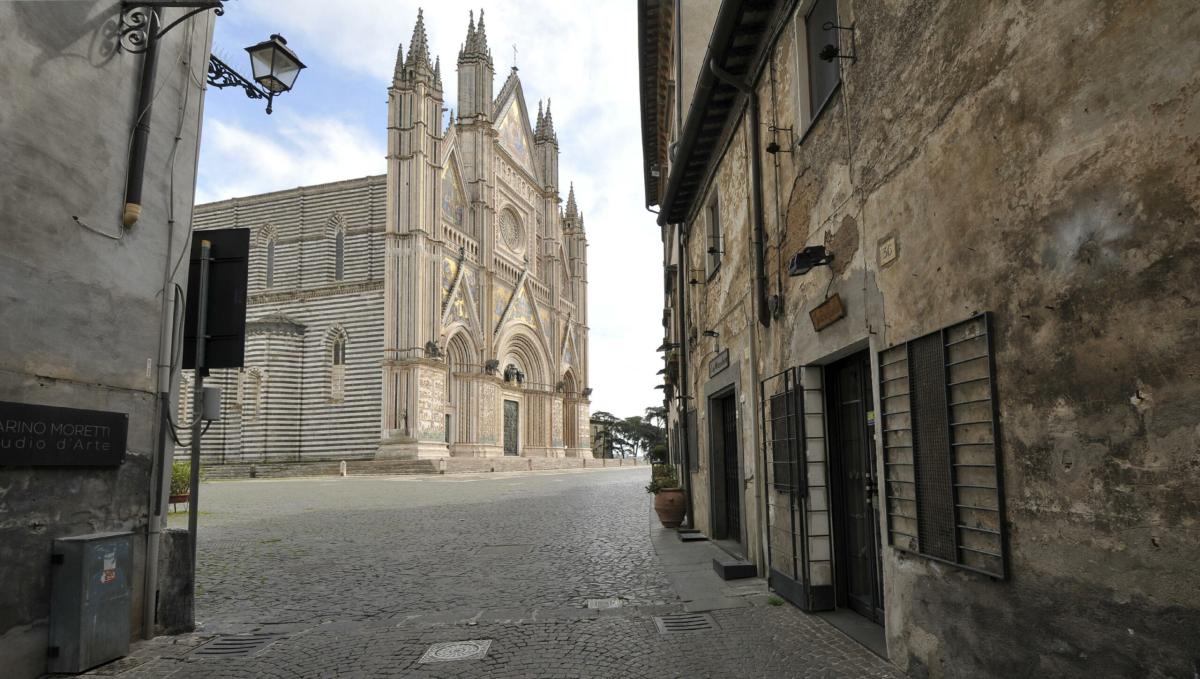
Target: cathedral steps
x,y
286,470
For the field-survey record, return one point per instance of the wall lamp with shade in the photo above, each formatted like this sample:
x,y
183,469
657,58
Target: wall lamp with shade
x,y
711,333
275,68
812,256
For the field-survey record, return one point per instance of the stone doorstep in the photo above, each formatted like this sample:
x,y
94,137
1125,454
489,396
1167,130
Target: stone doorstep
x,y
734,569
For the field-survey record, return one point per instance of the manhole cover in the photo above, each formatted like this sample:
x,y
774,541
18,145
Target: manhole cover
x,y
236,646
456,650
684,622
603,603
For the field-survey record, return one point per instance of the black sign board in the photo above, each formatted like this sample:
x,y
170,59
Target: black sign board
x,y
719,363
36,435
226,318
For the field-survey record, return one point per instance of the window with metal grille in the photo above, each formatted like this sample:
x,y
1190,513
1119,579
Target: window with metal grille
x,y
715,241
780,399
823,75
943,481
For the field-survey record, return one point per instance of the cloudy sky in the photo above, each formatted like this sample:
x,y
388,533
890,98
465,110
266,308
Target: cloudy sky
x,y
332,126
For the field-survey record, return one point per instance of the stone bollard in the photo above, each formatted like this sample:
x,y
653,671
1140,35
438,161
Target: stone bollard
x,y
342,468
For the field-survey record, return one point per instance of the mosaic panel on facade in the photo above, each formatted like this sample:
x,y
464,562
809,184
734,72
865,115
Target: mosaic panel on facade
x,y
512,135
454,205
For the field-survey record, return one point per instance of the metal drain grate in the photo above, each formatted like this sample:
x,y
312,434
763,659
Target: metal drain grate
x,y
450,651
236,646
684,622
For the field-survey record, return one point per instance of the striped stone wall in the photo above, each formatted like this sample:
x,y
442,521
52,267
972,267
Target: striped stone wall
x,y
281,406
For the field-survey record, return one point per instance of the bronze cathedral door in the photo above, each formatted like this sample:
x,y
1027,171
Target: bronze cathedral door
x,y
512,420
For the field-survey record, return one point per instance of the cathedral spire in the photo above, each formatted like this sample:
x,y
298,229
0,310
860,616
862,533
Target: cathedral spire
x,y
548,133
398,72
470,41
572,211
481,45
418,48
537,129
437,73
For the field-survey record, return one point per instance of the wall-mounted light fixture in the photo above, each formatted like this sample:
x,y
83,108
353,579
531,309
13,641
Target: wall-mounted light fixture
x,y
802,262
831,51
275,68
774,147
711,333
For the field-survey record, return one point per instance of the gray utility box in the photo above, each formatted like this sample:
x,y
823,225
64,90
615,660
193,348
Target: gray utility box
x,y
90,600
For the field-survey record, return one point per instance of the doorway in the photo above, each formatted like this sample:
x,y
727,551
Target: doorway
x,y
726,483
512,421
850,408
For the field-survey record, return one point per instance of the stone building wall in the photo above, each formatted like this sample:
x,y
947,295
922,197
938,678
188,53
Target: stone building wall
x,y
81,313
1035,163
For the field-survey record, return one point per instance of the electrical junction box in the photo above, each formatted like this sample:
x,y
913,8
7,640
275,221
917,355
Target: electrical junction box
x,y
91,598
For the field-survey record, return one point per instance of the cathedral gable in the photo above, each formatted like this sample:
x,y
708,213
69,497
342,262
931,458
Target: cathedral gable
x,y
515,134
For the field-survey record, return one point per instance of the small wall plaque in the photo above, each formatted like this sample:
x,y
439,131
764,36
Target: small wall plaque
x,y
719,363
37,435
827,312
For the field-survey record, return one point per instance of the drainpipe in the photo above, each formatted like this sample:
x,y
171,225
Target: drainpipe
x,y
756,201
141,128
684,446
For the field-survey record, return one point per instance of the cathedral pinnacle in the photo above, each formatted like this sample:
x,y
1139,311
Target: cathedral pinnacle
x,y
572,211
548,134
418,48
437,73
537,129
398,73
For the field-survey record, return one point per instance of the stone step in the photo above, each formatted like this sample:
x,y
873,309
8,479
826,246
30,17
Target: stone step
x,y
730,568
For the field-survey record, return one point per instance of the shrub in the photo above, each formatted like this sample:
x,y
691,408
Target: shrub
x,y
662,477
181,477
657,454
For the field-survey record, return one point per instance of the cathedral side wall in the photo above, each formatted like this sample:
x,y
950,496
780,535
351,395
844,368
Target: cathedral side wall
x,y
283,405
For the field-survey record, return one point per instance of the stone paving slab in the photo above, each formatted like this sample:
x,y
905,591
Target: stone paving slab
x,y
363,577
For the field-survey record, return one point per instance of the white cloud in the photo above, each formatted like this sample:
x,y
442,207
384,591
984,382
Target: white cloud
x,y
583,55
301,151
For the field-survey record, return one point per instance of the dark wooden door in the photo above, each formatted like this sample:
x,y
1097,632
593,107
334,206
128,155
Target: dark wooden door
x,y
731,485
856,519
512,421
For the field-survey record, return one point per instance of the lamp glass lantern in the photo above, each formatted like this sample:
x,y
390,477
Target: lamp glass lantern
x,y
275,66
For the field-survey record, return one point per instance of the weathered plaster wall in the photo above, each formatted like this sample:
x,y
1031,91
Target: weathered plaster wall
x,y
1037,161
79,313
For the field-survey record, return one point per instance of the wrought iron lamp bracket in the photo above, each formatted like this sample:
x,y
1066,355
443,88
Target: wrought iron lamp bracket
x,y
137,33
832,51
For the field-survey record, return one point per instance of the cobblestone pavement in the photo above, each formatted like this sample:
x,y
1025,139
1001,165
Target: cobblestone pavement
x,y
359,576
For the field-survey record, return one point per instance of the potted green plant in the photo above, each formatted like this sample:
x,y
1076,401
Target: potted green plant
x,y
181,480
668,496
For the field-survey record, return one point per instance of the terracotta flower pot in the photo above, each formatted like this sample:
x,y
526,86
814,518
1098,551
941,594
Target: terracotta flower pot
x,y
670,507
181,497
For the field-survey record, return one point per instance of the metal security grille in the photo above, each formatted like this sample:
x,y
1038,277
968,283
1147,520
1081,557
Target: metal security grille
x,y
935,497
236,646
684,622
943,481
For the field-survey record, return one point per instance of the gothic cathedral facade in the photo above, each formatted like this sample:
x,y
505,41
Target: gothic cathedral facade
x,y
438,310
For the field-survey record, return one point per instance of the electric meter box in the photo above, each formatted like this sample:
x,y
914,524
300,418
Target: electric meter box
x,y
91,598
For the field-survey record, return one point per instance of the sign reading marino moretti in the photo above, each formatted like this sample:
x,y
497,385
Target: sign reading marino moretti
x,y
35,435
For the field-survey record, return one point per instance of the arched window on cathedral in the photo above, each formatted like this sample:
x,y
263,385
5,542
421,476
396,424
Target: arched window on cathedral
x,y
339,255
271,263
251,397
337,365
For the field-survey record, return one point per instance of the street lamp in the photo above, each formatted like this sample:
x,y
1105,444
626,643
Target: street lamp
x,y
275,68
